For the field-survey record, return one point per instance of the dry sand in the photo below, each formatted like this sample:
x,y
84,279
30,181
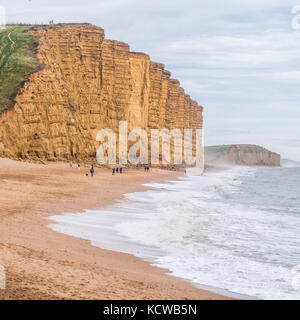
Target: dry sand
x,y
43,264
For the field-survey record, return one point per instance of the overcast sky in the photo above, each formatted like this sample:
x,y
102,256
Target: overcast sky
x,y
240,59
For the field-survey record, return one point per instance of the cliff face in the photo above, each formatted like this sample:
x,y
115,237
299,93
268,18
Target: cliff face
x,y
89,83
249,155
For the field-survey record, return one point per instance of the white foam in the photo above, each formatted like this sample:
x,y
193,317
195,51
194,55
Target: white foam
x,y
190,228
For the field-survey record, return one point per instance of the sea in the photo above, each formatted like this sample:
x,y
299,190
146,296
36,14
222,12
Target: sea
x,y
234,232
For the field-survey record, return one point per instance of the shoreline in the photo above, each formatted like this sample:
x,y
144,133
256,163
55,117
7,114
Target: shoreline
x,y
112,241
44,264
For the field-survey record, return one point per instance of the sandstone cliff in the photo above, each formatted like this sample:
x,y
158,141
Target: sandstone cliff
x,y
89,83
249,155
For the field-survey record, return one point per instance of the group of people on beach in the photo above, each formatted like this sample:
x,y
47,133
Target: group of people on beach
x,y
117,170
51,22
114,170
92,169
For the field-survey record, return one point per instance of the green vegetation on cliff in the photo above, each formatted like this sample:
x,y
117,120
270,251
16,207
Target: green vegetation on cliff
x,y
17,59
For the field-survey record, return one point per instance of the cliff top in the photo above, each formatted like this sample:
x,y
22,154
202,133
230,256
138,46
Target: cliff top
x,y
67,25
226,147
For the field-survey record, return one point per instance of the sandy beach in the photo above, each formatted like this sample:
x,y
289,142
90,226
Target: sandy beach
x,y
43,264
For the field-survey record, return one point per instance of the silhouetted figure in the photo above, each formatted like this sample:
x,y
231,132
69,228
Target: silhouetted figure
x,y
121,170
92,171
117,170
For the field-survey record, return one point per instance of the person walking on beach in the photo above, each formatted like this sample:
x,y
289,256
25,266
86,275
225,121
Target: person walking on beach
x,y
121,170
78,166
117,170
113,171
71,164
92,170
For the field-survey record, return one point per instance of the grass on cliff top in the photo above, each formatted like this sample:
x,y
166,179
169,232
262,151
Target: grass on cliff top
x,y
17,59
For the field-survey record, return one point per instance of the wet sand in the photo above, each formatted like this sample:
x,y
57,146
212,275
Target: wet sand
x,y
43,264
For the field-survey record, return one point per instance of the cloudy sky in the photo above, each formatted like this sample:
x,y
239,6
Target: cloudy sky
x,y
240,59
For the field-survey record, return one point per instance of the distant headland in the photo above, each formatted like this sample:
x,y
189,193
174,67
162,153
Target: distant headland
x,y
241,154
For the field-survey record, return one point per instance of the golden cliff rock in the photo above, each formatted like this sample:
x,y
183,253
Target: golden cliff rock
x,y
89,83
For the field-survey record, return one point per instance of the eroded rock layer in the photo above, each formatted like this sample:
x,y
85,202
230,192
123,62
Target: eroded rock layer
x,y
89,83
